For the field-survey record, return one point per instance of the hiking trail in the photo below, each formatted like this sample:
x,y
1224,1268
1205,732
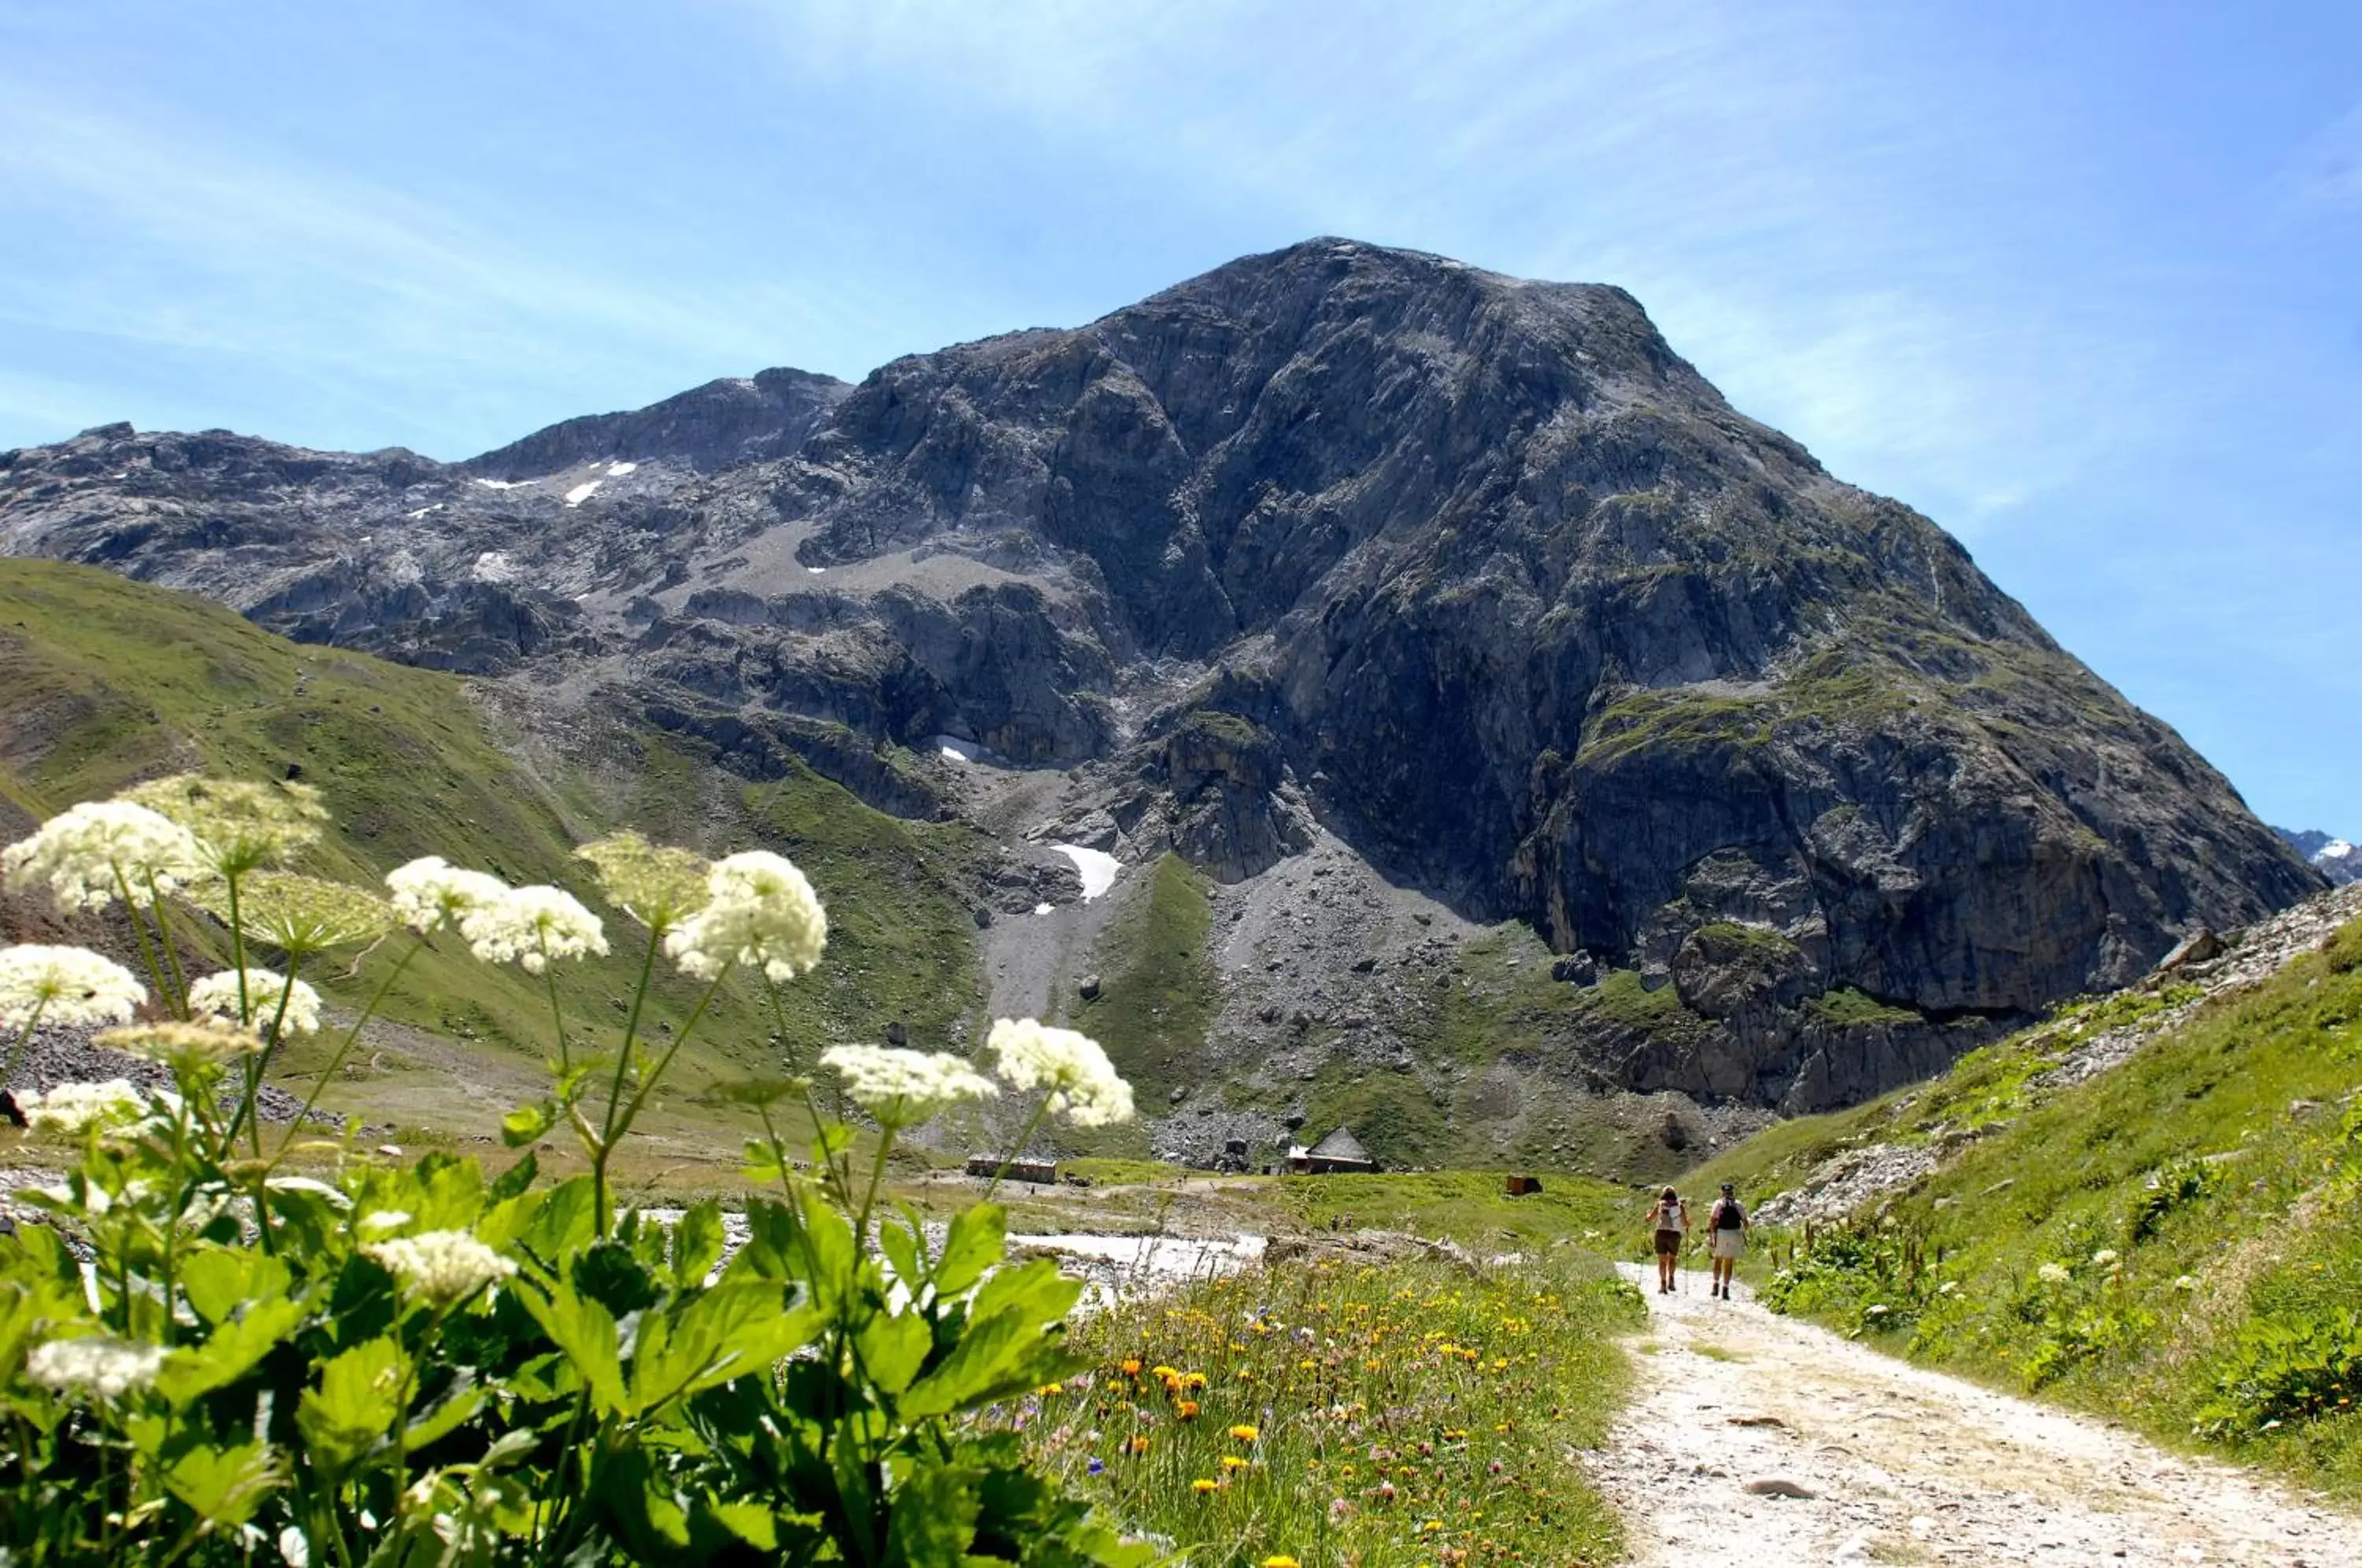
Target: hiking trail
x,y
1763,1441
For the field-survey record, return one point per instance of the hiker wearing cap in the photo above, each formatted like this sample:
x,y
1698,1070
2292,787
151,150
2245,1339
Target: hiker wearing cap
x,y
1725,1225
1672,1218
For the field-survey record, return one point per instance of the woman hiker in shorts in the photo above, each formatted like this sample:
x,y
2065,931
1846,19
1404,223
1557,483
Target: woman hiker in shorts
x,y
1725,1225
1671,1218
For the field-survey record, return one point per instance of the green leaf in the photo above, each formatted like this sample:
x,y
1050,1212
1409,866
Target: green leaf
x,y
1002,1347
978,1239
223,1485
527,1123
217,1280
934,1520
697,1243
903,1250
358,1400
464,1399
514,1181
565,1223
893,1347
233,1351
728,1332
586,1331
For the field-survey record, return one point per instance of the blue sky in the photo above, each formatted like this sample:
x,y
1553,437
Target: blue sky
x,y
2082,280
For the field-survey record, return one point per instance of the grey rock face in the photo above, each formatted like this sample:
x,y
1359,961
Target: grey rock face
x,y
740,419
1475,571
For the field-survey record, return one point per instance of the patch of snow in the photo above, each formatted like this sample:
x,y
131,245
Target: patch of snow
x,y
1098,867
503,484
1041,909
493,566
620,470
423,511
955,749
583,492
815,571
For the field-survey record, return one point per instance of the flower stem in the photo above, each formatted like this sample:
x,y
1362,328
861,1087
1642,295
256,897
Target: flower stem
x,y
556,1016
172,956
352,1036
24,1039
1041,1108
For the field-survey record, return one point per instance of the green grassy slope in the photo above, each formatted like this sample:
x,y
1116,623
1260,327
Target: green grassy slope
x,y
2172,1242
110,682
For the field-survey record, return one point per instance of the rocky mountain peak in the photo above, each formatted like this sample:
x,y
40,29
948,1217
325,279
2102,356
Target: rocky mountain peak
x,y
1474,574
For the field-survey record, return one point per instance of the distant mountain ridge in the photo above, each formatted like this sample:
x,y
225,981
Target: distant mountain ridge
x,y
2335,858
1474,573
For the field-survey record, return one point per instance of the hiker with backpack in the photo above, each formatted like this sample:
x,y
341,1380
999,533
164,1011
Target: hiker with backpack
x,y
1725,1225
1670,1217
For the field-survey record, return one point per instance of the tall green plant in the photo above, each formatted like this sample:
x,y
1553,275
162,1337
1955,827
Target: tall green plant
x,y
211,1358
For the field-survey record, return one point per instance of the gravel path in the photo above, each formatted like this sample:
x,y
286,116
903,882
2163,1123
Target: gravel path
x,y
1882,1462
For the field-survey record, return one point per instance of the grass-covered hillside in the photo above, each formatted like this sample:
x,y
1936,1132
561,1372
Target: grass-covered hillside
x,y
109,681
2172,1241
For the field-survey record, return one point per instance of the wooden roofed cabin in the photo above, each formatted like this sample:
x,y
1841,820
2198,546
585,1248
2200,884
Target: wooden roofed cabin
x,y
1339,1152
1045,1171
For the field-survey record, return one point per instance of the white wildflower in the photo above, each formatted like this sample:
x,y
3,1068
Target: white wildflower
x,y
2053,1274
64,985
208,1041
90,855
760,913
101,1365
1950,1288
441,1267
430,893
218,995
531,926
1877,1309
238,825
656,884
295,1548
2104,1258
905,1088
1084,1084
297,915
2186,1282
73,1107
384,1220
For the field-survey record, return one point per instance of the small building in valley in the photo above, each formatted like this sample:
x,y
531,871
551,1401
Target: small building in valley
x,y
989,1165
1339,1152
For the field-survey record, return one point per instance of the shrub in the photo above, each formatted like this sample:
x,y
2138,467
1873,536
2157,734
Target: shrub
x,y
211,1357
2284,1371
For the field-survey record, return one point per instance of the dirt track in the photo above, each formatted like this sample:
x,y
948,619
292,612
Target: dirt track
x,y
1904,1466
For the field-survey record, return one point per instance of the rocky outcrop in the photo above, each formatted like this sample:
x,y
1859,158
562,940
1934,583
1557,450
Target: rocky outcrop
x,y
740,419
1476,572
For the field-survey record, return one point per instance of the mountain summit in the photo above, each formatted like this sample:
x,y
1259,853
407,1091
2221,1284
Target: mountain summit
x,y
1472,575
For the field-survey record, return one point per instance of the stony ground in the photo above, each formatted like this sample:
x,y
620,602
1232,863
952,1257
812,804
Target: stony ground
x,y
1755,1439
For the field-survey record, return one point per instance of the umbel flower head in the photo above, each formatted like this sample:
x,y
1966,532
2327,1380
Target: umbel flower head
x,y
204,1042
441,1267
64,985
218,995
430,893
760,913
655,884
72,1109
298,914
240,826
1084,1084
89,855
100,1367
532,925
905,1088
